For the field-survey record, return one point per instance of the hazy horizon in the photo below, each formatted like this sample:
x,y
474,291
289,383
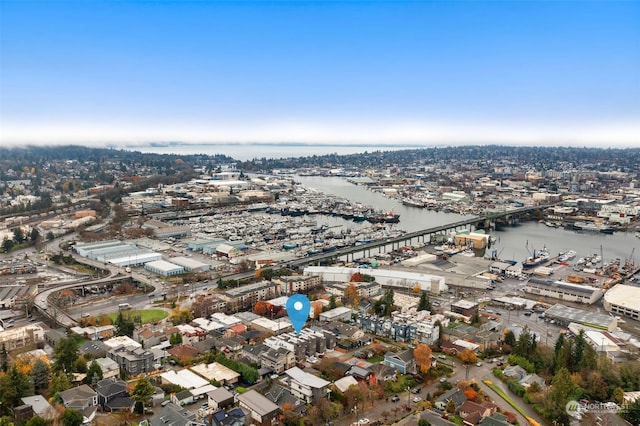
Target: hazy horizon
x,y
425,73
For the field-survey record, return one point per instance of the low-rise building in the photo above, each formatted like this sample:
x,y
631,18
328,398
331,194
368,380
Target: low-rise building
x,y
624,300
133,360
278,360
263,412
217,372
20,337
402,361
340,313
465,307
306,386
563,290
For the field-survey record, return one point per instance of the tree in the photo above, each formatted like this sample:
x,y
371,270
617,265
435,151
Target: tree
x,y
72,417
425,303
36,421
34,236
450,407
175,338
4,358
510,338
470,394
467,357
384,306
40,373
618,395
94,373
13,386
142,391
561,392
351,295
332,302
181,316
7,245
422,355
357,278
18,235
631,412
59,383
124,326
50,236
65,354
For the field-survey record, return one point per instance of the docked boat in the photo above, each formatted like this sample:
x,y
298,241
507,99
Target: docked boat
x,y
538,258
413,203
567,255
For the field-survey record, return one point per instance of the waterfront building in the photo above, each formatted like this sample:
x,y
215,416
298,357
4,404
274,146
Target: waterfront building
x,y
624,300
563,290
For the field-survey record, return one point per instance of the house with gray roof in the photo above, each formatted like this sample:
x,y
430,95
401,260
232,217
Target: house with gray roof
x,y
174,415
234,417
112,393
455,395
402,361
514,372
81,398
263,412
305,386
220,398
530,379
41,406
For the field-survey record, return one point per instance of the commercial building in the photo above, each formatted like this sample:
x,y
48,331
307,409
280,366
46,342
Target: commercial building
x,y
563,290
388,278
183,378
340,313
133,360
164,268
465,307
217,372
365,290
190,265
565,315
116,253
624,300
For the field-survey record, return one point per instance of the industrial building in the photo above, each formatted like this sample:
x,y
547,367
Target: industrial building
x,y
464,307
387,278
190,265
563,290
164,268
116,253
623,300
565,315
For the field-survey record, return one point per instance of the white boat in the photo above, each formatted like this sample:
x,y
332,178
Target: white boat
x,y
567,255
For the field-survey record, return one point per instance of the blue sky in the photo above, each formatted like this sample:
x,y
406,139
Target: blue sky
x,y
424,72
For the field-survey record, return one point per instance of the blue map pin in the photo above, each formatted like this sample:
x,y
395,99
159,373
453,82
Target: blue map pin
x,y
298,308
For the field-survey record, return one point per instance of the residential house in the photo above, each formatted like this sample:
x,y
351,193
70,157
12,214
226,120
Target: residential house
x,y
81,398
182,398
234,417
113,393
530,379
496,419
109,367
252,353
283,397
306,386
183,352
402,361
514,372
345,383
174,415
472,412
278,360
220,398
263,411
383,372
41,406
455,395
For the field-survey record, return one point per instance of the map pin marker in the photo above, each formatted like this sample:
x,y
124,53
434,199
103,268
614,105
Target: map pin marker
x,y
298,308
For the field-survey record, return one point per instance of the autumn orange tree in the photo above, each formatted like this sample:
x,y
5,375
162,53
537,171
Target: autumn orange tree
x,y
357,277
351,295
467,357
260,308
471,394
422,355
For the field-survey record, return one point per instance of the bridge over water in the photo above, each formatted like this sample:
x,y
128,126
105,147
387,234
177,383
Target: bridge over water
x,y
419,236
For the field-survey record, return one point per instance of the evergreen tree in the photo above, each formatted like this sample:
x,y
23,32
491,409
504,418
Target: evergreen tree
x,y
510,338
59,383
40,373
34,236
18,235
4,358
425,303
36,421
142,391
332,302
65,354
562,390
72,418
94,373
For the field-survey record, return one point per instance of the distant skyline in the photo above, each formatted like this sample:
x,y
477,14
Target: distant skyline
x,y
427,73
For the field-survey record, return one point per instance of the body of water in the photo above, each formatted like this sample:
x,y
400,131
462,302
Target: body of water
x,y
512,243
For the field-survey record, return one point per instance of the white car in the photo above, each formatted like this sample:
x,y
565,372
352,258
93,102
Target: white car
x,y
417,399
363,421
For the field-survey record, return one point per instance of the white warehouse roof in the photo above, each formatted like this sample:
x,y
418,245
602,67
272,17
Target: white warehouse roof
x,y
625,296
164,266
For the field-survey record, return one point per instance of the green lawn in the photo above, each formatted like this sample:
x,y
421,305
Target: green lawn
x,y
146,315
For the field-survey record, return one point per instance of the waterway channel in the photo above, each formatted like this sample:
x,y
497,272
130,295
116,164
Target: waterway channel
x,y
513,242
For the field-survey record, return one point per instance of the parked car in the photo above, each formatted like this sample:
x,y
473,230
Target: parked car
x,y
416,390
395,398
417,399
